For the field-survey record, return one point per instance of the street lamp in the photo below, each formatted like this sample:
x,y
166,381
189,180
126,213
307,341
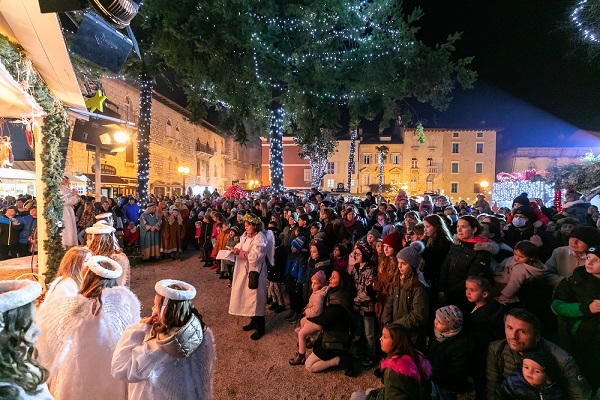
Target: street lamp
x,y
484,185
183,171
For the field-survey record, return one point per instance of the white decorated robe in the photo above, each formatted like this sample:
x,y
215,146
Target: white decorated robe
x,y
156,372
244,301
76,346
69,233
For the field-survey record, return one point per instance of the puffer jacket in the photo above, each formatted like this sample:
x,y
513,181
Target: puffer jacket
x,y
577,209
450,362
515,387
502,361
402,381
9,233
465,259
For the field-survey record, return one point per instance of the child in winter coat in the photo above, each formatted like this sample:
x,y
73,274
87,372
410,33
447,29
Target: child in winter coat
x,y
295,276
339,258
406,372
485,323
449,354
522,267
233,238
314,308
534,381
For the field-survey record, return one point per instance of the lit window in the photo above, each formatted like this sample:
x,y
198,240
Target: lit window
x,y
395,159
414,163
330,183
366,159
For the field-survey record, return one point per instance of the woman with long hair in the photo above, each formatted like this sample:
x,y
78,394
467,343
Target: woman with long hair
x,y
21,375
437,245
170,354
470,254
406,372
68,277
79,334
250,257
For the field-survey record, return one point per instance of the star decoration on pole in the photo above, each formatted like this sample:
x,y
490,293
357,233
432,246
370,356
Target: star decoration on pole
x,y
96,102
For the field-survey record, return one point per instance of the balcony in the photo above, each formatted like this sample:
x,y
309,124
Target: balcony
x,y
204,150
432,170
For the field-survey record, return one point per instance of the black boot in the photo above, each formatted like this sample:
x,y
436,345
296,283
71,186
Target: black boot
x,y
222,275
260,328
274,306
251,325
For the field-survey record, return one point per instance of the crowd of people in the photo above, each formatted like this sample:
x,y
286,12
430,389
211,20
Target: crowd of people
x,y
441,299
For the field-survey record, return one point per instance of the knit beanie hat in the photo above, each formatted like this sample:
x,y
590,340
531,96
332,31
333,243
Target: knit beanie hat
x,y
319,277
545,359
295,216
411,254
298,243
366,250
586,234
594,249
375,233
522,199
451,316
394,239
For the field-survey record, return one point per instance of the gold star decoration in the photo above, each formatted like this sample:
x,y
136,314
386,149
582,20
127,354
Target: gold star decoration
x,y
96,102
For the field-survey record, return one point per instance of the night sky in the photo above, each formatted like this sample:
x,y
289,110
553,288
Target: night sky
x,y
536,81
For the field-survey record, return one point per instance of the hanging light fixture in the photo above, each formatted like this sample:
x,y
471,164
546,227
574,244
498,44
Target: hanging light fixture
x,y
117,12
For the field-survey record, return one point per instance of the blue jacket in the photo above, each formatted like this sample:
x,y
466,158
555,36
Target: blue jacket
x,y
515,387
131,213
295,267
9,233
29,224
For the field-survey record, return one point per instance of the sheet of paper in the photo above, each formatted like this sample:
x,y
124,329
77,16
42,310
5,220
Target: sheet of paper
x,y
226,255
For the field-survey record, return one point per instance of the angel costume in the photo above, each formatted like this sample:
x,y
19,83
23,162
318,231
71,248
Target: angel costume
x,y
60,288
178,366
69,233
244,301
76,346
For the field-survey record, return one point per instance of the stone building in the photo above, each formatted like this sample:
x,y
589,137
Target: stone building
x,y
540,158
215,160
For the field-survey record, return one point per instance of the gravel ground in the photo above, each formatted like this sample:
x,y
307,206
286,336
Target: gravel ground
x,y
246,369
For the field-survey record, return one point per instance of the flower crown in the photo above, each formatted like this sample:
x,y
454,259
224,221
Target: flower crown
x,y
253,219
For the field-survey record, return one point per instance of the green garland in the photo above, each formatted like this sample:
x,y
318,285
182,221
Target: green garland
x,y
56,125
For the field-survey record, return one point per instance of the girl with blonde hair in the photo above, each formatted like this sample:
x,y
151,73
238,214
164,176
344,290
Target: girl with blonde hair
x,y
68,278
101,242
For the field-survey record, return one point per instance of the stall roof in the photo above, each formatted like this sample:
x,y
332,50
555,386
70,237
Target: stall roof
x,y
15,101
17,174
41,37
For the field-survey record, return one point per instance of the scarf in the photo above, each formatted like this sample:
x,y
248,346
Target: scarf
x,y
441,336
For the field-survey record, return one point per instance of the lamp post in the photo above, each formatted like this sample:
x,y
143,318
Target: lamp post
x,y
484,185
183,171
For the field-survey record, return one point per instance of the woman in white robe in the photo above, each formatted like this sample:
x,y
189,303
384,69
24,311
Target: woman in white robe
x,y
70,198
250,256
21,377
68,277
79,334
171,354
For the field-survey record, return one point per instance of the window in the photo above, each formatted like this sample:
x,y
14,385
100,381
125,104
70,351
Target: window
x,y
413,184
330,169
366,179
479,168
455,148
395,158
476,188
479,134
454,187
414,163
366,159
198,167
479,148
128,108
429,185
352,183
330,183
430,162
169,130
177,133
129,152
455,134
454,168
307,175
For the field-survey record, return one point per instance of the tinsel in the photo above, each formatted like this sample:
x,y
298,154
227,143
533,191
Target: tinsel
x,y
235,191
526,175
56,125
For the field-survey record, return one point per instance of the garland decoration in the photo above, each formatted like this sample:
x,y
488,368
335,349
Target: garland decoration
x,y
56,125
420,133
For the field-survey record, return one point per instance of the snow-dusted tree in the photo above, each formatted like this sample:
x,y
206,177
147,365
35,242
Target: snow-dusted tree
x,y
316,147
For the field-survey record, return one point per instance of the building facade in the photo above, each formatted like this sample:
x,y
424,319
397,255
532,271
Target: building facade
x,y
214,159
451,162
540,158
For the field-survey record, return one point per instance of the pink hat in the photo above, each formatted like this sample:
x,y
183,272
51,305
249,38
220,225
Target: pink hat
x,y
319,277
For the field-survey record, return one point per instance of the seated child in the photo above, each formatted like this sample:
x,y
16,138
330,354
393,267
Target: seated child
x,y
339,258
534,381
514,271
314,308
131,235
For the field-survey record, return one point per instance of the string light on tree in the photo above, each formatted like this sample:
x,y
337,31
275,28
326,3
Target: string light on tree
x,y
351,166
276,147
143,145
583,16
504,193
383,150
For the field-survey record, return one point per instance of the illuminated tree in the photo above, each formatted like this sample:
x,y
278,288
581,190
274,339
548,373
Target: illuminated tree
x,y
316,148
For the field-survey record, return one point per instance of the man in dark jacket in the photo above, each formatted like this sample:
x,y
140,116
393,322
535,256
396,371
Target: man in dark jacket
x,y
523,333
10,228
